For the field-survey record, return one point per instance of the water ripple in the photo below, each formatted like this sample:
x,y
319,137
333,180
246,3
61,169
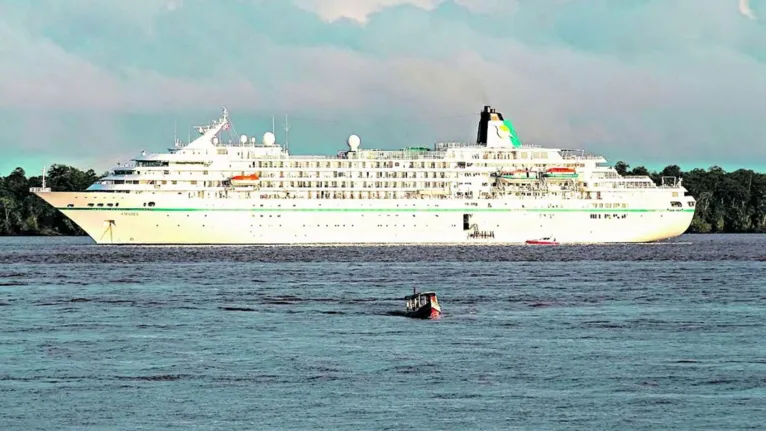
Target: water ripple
x,y
656,336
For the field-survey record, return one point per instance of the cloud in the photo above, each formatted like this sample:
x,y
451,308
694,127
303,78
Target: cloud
x,y
744,9
360,10
655,80
357,10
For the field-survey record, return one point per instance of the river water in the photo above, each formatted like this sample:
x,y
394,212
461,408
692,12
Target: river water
x,y
652,336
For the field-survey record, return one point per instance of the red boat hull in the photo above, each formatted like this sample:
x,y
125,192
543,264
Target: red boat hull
x,y
537,242
424,312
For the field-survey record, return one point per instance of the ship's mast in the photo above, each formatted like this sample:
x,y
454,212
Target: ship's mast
x,y
287,133
176,142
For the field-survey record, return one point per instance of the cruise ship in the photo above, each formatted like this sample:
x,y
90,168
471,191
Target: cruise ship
x,y
492,191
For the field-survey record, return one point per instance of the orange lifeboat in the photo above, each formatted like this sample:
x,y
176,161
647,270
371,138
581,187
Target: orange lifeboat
x,y
245,180
560,173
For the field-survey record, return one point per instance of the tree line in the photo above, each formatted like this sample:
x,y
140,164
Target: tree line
x,y
731,202
22,213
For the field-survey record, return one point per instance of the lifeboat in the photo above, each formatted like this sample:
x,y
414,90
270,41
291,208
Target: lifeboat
x,y
245,180
519,174
560,173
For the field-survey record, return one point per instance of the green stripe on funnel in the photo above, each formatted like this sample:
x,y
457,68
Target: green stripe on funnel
x,y
514,137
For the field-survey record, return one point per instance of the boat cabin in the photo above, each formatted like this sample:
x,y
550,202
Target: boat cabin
x,y
419,300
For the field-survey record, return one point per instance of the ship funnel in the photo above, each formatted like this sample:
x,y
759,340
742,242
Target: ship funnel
x,y
495,131
481,136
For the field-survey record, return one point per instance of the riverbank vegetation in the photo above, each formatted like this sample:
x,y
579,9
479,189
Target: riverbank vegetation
x,y
731,202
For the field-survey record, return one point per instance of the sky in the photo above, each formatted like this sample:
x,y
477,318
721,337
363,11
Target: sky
x,y
652,82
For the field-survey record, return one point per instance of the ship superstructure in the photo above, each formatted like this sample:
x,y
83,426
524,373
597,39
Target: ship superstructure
x,y
495,190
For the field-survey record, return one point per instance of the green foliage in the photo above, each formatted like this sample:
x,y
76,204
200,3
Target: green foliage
x,y
726,201
22,213
731,202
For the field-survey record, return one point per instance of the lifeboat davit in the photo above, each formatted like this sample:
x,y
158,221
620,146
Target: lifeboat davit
x,y
245,180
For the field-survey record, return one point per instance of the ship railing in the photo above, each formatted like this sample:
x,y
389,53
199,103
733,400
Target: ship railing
x,y
373,155
605,176
575,157
627,185
443,146
39,189
300,157
670,182
643,180
396,155
635,178
571,152
406,194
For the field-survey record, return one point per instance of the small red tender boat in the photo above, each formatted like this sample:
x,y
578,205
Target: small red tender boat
x,y
543,241
423,305
245,180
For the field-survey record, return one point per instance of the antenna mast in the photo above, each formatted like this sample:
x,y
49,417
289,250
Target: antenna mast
x,y
287,133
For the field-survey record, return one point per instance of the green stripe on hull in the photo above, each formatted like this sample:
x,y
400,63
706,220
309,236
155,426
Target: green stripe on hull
x,y
462,210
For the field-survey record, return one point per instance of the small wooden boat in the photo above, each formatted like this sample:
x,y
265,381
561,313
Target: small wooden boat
x,y
543,241
423,305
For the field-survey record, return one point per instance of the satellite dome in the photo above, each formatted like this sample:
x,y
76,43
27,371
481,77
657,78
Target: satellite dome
x,y
269,139
353,142
252,140
243,139
215,141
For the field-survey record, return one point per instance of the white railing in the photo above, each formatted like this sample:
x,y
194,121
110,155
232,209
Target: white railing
x,y
575,157
670,182
39,189
441,146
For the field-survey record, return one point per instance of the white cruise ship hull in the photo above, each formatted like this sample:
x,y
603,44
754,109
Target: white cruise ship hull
x,y
177,219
